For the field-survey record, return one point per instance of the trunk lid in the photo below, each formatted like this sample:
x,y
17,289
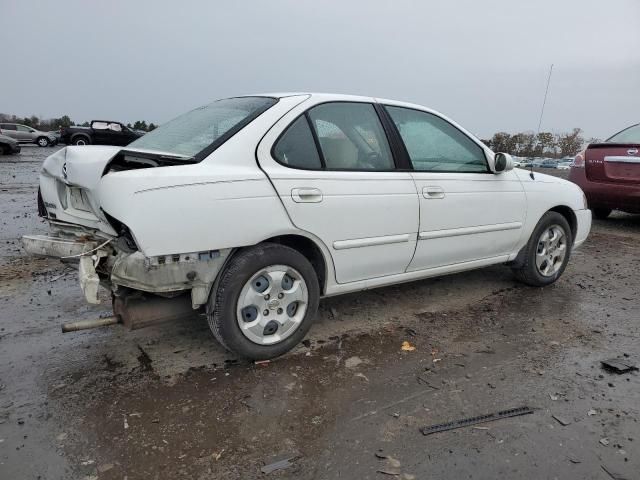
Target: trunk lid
x,y
70,179
613,162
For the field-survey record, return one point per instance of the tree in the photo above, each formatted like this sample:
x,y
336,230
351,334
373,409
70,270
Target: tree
x,y
140,125
501,142
545,145
570,143
152,126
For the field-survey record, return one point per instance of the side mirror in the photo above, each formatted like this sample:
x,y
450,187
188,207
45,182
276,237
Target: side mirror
x,y
502,162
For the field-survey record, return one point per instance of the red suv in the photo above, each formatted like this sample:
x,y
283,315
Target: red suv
x,y
609,173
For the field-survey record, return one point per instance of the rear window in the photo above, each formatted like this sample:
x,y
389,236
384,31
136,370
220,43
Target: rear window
x,y
200,131
628,135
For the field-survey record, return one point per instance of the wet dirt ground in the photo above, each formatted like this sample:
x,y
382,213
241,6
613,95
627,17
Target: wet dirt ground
x,y
167,402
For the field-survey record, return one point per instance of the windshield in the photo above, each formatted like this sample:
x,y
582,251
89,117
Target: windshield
x,y
202,130
628,135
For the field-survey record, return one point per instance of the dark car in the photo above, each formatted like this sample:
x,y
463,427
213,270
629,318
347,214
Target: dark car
x,y
8,145
609,173
101,132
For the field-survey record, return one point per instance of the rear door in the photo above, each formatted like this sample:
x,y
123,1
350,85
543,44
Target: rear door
x,y
334,170
9,130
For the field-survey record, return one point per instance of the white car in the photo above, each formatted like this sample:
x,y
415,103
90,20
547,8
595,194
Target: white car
x,y
253,208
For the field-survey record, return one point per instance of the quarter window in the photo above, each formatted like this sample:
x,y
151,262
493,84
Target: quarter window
x,y
296,147
434,145
351,137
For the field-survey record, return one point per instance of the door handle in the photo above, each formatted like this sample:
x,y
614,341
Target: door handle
x,y
432,192
306,195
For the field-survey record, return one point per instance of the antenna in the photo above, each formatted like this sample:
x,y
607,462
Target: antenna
x,y
544,102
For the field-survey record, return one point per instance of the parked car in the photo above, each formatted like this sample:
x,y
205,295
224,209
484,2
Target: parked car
x,y
101,132
8,145
548,163
609,173
564,165
56,136
25,134
255,207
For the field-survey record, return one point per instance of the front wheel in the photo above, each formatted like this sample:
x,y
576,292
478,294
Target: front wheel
x,y
547,252
265,302
43,142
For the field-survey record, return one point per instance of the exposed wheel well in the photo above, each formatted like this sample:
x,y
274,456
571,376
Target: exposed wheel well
x,y
307,248
567,213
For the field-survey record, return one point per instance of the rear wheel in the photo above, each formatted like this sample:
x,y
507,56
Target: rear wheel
x,y
81,140
601,212
547,252
265,302
43,142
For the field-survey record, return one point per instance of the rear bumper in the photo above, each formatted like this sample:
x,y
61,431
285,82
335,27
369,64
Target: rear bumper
x,y
619,196
102,263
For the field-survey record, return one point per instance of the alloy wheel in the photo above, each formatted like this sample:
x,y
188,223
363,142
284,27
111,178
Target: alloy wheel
x,y
551,250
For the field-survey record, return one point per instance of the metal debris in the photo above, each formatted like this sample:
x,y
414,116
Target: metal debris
x,y
618,365
513,412
614,475
279,463
561,420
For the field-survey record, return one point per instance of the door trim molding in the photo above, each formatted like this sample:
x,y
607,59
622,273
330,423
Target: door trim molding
x,y
455,232
371,241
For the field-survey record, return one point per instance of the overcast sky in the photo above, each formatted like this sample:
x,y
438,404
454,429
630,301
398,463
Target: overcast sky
x,y
483,63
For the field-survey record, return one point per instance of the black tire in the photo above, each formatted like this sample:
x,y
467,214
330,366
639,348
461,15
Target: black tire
x,y
527,272
80,140
222,305
43,142
601,212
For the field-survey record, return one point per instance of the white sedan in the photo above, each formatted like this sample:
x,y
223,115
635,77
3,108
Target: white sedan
x,y
253,208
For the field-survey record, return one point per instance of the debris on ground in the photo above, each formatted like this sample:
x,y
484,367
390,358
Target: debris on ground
x,y
513,412
613,474
561,420
619,366
604,441
392,466
592,412
352,362
407,347
262,362
279,462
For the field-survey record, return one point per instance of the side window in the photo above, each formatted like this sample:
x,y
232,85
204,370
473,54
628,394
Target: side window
x,y
296,148
8,127
434,145
351,137
21,128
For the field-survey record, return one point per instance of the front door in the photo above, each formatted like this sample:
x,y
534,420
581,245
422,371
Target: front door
x,y
467,213
336,176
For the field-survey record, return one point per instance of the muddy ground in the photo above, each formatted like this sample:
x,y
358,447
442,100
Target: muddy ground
x,y
168,402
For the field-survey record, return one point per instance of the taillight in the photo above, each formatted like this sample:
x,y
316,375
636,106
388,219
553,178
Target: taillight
x,y
578,162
